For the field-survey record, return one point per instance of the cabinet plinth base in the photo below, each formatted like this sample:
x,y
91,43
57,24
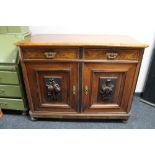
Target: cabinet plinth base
x,y
59,115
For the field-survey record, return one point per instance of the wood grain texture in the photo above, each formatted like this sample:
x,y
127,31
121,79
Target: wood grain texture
x,y
60,53
74,115
135,80
122,54
124,73
69,77
82,40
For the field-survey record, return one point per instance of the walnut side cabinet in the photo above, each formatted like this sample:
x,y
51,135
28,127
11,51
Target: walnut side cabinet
x,y
80,76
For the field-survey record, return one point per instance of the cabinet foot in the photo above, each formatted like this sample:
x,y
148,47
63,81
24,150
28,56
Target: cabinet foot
x,y
125,120
33,118
24,113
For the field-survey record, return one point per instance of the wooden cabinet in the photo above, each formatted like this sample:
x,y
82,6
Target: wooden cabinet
x,y
71,76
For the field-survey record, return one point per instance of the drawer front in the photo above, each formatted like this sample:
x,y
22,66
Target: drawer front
x,y
12,104
10,91
50,53
111,54
7,77
7,68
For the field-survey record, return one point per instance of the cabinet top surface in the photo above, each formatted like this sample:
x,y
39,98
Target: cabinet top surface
x,y
82,40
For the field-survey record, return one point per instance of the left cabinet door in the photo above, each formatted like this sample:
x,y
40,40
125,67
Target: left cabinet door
x,y
53,86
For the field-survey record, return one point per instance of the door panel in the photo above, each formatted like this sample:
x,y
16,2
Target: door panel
x,y
54,87
106,88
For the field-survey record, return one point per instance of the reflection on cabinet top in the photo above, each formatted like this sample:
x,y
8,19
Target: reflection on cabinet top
x,y
82,40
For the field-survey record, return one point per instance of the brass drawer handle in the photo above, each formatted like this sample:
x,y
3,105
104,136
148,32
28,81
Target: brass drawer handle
x,y
86,90
74,90
111,55
50,55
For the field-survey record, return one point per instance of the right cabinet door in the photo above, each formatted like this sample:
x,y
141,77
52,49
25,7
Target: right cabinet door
x,y
107,87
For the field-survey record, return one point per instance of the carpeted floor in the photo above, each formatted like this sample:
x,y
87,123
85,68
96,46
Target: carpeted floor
x,y
143,117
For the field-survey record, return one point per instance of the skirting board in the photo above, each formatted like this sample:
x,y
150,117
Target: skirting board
x,y
147,102
140,94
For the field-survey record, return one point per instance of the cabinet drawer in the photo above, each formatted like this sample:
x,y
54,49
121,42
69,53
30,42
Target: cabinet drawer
x,y
10,91
7,68
111,54
13,104
7,77
50,53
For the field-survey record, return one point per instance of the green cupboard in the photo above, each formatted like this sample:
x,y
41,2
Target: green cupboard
x,y
12,93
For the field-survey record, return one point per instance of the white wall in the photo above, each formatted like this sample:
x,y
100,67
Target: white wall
x,y
131,17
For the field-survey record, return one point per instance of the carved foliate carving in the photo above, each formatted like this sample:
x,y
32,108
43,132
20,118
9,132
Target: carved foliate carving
x,y
53,89
106,89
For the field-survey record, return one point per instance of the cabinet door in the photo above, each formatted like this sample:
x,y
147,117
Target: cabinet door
x,y
53,87
107,87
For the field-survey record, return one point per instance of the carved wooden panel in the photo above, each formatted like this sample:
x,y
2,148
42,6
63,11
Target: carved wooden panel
x,y
111,54
108,86
51,86
106,89
50,53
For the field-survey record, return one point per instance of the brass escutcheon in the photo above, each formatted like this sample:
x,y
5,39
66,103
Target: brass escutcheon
x,y
86,90
74,90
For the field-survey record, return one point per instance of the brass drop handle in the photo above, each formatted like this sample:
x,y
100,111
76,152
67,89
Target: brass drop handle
x,y
74,90
86,90
50,55
111,55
